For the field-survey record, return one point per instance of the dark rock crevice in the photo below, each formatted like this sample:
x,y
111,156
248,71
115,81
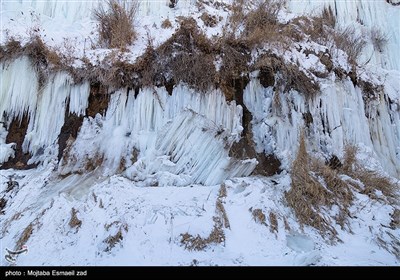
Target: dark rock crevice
x,y
268,165
16,134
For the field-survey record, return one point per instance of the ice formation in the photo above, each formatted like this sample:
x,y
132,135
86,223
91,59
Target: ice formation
x,y
365,15
187,134
338,116
45,107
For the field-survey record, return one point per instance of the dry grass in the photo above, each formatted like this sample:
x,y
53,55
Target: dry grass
x,y
115,23
317,187
378,38
291,77
198,243
217,235
24,237
351,42
209,20
113,240
166,24
273,221
74,222
259,216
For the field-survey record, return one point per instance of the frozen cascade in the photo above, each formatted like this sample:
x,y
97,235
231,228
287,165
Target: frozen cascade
x,y
181,139
365,15
19,87
45,108
338,117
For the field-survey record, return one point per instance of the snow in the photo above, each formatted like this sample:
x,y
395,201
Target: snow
x,y
158,161
156,218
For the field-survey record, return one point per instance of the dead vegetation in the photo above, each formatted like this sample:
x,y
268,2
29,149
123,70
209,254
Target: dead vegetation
x,y
115,23
24,237
202,63
74,221
273,221
217,235
317,187
166,24
115,239
259,216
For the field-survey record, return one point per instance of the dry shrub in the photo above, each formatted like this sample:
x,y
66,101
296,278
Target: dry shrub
x,y
265,13
395,222
222,191
372,181
196,70
221,213
11,50
378,38
113,240
235,57
115,23
166,24
349,41
74,222
186,57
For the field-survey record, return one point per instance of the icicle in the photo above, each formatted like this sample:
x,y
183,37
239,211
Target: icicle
x,y
19,87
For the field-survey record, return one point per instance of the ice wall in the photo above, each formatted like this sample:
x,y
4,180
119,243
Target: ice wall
x,y
335,117
162,139
363,15
45,107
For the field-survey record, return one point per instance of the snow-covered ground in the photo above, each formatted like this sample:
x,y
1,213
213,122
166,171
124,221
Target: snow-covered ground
x,y
151,221
138,216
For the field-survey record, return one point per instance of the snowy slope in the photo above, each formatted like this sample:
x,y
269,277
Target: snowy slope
x,y
151,221
151,168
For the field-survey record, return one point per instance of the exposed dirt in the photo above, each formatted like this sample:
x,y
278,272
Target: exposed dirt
x,y
72,124
98,100
16,134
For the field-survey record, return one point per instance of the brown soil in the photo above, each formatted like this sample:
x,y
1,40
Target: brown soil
x,y
72,124
98,100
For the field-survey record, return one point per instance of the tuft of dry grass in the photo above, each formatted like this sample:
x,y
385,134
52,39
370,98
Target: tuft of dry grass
x,y
273,221
317,187
113,240
259,216
24,237
351,42
166,24
74,221
378,38
198,243
217,235
115,23
209,20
